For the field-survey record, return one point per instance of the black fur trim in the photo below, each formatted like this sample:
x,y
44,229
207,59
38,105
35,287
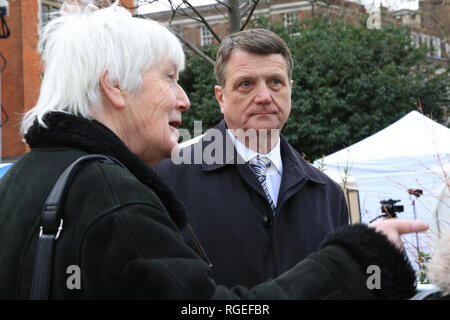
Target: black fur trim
x,y
369,247
66,130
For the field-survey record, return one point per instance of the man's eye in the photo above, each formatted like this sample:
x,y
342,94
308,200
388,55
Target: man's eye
x,y
276,81
245,83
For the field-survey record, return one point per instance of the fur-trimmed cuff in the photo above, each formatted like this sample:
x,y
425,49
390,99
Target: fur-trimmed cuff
x,y
369,247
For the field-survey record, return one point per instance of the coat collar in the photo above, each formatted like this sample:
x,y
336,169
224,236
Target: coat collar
x,y
295,168
66,130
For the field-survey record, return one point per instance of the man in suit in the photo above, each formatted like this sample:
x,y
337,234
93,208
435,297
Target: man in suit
x,y
256,205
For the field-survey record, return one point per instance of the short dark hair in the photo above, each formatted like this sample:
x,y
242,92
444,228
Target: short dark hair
x,y
258,41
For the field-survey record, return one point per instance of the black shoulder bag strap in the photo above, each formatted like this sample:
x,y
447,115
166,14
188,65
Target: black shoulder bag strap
x,y
52,224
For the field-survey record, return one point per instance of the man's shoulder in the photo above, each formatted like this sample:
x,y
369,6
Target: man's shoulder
x,y
311,172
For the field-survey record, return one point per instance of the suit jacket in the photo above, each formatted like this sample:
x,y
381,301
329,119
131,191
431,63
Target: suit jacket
x,y
229,212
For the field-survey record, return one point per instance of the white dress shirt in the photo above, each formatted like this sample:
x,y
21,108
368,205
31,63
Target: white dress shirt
x,y
275,171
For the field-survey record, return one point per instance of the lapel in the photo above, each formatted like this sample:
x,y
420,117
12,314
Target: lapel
x,y
228,156
296,172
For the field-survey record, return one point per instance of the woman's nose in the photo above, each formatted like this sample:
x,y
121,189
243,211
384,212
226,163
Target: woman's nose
x,y
183,102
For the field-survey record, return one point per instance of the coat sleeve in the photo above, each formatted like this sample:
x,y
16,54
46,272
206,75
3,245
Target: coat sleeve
x,y
136,252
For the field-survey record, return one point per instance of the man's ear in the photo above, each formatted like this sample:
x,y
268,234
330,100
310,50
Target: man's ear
x,y
113,94
218,90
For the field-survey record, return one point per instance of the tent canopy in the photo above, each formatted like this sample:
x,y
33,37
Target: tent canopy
x,y
411,153
414,135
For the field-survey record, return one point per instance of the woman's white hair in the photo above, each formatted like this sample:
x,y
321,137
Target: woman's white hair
x,y
439,267
85,41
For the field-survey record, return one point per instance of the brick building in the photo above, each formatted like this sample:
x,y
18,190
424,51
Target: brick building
x,y
430,25
21,76
20,79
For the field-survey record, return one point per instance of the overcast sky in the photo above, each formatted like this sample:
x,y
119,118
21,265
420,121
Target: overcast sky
x,y
162,5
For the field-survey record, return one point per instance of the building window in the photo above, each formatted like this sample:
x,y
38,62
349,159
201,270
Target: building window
x,y
290,18
437,48
415,39
432,47
206,36
434,43
425,41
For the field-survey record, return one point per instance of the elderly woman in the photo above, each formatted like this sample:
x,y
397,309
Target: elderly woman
x,y
110,87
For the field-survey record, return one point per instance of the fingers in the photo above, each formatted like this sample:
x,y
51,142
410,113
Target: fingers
x,y
394,228
408,226
401,226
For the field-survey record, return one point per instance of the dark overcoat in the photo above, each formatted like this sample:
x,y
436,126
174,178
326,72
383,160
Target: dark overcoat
x,y
121,229
228,209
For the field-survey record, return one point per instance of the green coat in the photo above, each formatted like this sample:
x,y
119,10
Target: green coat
x,y
121,228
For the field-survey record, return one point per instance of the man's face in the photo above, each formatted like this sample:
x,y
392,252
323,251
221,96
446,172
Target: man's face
x,y
257,92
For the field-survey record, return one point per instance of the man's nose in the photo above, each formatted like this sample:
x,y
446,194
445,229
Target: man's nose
x,y
263,95
183,102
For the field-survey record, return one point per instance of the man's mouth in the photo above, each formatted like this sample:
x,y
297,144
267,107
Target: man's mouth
x,y
263,113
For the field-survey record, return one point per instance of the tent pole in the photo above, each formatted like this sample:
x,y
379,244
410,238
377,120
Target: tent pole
x,y
415,218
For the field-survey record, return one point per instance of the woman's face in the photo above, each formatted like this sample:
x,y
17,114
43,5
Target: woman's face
x,y
154,113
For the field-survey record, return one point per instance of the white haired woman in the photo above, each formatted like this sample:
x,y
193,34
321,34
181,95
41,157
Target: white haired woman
x,y
110,87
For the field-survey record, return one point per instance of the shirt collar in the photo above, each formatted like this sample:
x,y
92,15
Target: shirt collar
x,y
247,154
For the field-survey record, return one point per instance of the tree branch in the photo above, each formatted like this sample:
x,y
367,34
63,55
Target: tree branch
x,y
195,49
255,3
245,10
203,20
218,9
188,44
224,4
183,12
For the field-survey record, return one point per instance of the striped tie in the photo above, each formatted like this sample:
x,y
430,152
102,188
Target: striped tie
x,y
260,166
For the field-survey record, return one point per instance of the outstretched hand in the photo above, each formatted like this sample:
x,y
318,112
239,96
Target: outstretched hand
x,y
394,228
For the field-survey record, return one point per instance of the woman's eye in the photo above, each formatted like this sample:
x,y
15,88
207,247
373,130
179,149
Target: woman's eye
x,y
171,76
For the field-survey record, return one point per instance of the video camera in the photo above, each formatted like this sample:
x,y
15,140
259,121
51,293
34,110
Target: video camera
x,y
389,208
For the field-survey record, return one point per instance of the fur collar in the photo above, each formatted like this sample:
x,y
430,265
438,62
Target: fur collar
x,y
66,130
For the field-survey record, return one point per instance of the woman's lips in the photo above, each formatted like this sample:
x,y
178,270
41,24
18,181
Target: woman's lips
x,y
174,124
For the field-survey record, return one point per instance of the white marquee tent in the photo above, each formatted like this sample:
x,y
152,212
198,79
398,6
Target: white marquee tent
x,y
412,153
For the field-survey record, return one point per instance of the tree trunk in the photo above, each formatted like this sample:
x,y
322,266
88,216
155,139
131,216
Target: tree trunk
x,y
234,16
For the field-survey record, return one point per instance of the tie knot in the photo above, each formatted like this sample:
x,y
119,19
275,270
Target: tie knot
x,y
260,165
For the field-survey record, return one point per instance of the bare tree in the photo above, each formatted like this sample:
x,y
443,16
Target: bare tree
x,y
237,12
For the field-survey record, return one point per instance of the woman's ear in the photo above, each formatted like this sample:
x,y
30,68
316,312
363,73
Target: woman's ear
x,y
112,93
